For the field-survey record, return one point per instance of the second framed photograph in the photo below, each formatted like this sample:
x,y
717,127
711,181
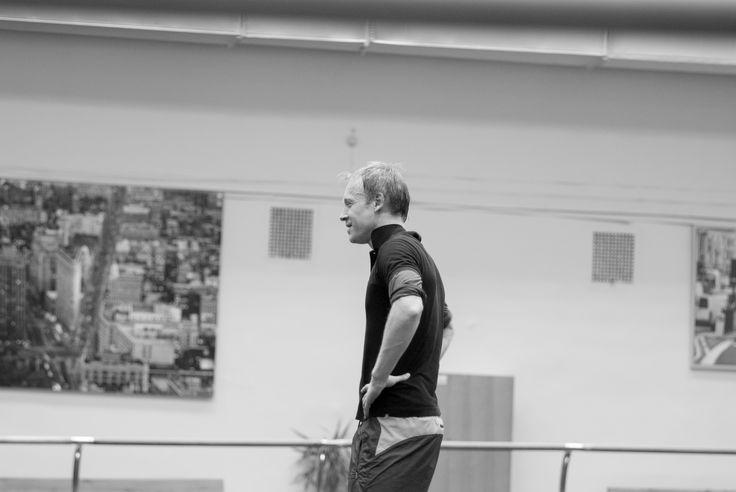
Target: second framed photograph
x,y
714,304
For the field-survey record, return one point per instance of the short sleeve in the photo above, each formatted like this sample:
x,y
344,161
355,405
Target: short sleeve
x,y
404,283
400,269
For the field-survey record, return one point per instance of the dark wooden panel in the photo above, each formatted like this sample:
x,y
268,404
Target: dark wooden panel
x,y
665,490
65,485
475,408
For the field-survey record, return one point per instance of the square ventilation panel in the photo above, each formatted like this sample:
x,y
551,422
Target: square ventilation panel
x,y
290,233
613,257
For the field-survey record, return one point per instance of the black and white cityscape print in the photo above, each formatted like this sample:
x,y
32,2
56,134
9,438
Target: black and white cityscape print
x,y
108,289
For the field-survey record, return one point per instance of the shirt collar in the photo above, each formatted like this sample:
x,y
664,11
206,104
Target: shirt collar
x,y
382,234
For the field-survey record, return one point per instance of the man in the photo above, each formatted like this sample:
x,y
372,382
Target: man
x,y
408,330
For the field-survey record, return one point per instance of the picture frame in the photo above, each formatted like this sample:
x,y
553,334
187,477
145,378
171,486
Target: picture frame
x,y
108,288
713,321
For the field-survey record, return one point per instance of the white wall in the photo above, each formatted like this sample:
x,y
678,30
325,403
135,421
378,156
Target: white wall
x,y
500,157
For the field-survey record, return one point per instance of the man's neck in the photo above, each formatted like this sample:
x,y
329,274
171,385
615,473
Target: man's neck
x,y
384,221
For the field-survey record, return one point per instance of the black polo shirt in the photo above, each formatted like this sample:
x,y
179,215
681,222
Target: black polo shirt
x,y
396,250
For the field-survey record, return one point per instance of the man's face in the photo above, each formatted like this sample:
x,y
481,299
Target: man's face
x,y
359,216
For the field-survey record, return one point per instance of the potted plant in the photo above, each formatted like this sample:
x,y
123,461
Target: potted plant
x,y
325,469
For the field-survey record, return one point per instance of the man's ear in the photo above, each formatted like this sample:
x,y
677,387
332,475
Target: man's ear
x,y
378,202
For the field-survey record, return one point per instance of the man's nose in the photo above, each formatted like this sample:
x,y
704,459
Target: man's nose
x,y
343,217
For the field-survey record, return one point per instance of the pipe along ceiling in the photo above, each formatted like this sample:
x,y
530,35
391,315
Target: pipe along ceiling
x,y
640,14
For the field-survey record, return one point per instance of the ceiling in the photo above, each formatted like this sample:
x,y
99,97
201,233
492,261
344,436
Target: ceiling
x,y
664,35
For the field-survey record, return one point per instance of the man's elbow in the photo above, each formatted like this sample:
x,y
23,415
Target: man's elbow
x,y
448,332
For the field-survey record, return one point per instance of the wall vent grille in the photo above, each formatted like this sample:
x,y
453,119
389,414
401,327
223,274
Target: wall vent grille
x,y
613,257
291,233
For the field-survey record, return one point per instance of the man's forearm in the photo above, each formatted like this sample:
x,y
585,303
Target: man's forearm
x,y
402,323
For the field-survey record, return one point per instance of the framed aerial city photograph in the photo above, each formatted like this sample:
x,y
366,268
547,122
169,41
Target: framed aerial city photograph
x,y
108,288
714,266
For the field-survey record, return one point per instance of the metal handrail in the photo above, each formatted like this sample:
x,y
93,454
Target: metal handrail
x,y
566,448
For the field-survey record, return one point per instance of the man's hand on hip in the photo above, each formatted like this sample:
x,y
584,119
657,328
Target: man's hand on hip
x,y
371,390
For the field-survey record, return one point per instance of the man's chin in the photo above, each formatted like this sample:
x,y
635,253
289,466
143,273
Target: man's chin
x,y
356,240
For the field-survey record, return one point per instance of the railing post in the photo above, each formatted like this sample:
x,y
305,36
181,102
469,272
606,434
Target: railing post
x,y
322,458
75,472
563,473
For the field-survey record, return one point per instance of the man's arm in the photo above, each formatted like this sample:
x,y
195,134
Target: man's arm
x,y
402,323
447,333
